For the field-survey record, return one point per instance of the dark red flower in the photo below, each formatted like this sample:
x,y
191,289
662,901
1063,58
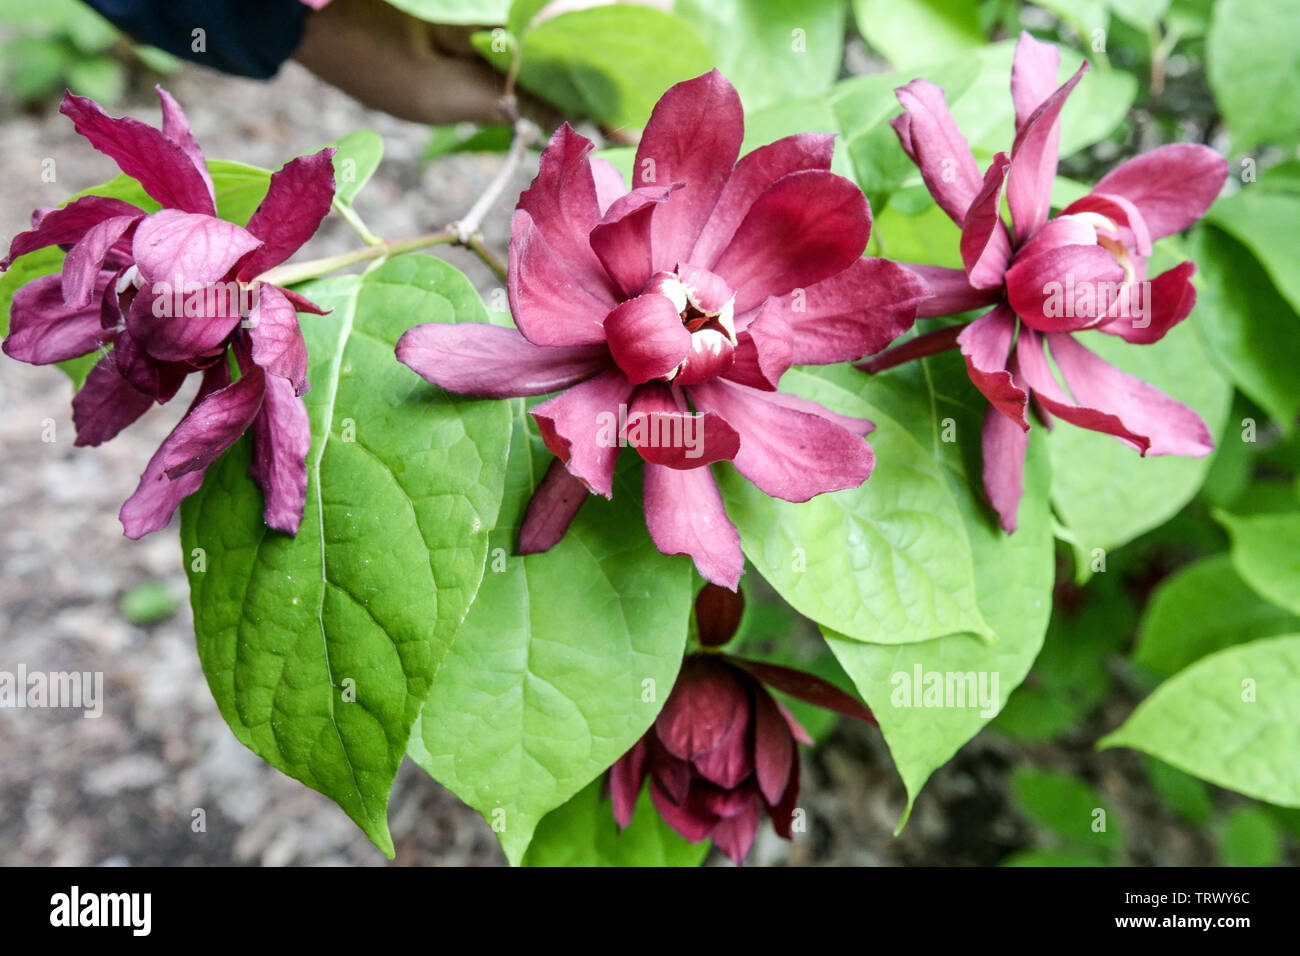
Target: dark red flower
x,y
695,290
175,292
1047,278
722,753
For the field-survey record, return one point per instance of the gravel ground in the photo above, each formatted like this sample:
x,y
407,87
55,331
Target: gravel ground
x,y
123,789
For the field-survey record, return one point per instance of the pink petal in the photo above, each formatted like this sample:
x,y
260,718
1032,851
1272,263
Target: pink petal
x,y
183,248
213,425
707,702
774,752
711,355
1033,160
493,362
755,172
281,440
622,240
854,313
918,346
693,137
550,306
43,330
1171,185
298,198
301,303
807,226
951,292
609,182
858,426
145,154
684,514
1172,427
106,404
161,380
63,227
278,344
985,244
1062,231
664,432
1065,288
552,508
646,337
176,127
765,349
172,336
580,427
806,687
690,825
1154,307
85,260
561,203
931,137
1004,442
788,453
1033,75
735,836
706,290
626,778
986,346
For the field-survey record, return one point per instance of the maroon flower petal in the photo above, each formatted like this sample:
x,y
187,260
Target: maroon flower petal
x,y
707,701
735,836
1004,442
765,349
684,514
1153,308
182,248
213,425
693,137
646,337
278,344
774,751
622,240
858,426
1171,185
985,243
626,778
580,427
731,760
691,825
550,306
756,171
85,260
298,198
161,380
705,289
62,227
176,127
782,814
1034,158
281,440
42,329
788,453
562,204
160,325
856,312
931,137
552,508
806,687
489,361
805,227
1033,75
986,346
664,433
301,303
1066,288
105,404
1058,233
951,292
145,154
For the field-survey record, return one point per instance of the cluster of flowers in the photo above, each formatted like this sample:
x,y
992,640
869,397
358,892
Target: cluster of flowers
x,y
687,296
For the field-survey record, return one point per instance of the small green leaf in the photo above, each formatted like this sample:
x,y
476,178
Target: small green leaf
x,y
1068,807
1180,792
456,11
1250,837
1232,718
148,602
1266,553
1038,858
355,162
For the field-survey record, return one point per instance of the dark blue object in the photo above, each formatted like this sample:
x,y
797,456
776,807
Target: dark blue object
x,y
244,37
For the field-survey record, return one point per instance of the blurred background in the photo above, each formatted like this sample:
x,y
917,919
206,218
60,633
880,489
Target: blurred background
x,y
76,595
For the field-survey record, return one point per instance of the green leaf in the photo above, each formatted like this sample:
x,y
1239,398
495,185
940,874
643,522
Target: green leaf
x,y
456,11
562,663
1254,69
466,138
102,78
772,50
610,63
1068,807
1232,718
1105,492
1266,553
1182,793
1201,608
148,602
1142,14
1250,837
1038,858
1263,220
1013,578
888,562
919,32
355,162
582,832
320,648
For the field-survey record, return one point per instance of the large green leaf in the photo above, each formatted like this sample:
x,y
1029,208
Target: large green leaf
x,y
583,833
1248,330
1232,718
562,663
1013,575
456,11
1104,491
1201,608
1266,553
918,32
888,562
1263,220
320,648
1254,69
772,50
